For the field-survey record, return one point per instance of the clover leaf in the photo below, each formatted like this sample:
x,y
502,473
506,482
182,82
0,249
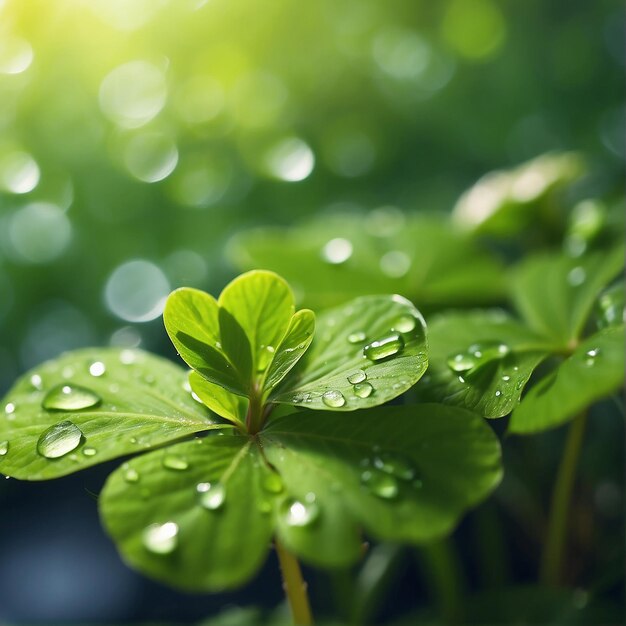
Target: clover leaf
x,y
483,360
401,473
93,405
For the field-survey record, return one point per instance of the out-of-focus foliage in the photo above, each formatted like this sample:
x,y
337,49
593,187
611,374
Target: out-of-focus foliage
x,y
135,137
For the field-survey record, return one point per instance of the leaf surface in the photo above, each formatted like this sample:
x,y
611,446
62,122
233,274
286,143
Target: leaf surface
x,y
592,372
215,548
336,374
448,458
131,401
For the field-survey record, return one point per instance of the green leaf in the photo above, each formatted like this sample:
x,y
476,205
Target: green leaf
x,y
262,305
292,347
556,294
102,403
226,404
480,360
334,258
439,460
221,534
335,373
192,320
505,203
592,372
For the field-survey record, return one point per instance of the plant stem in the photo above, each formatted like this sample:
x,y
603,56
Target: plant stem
x,y
554,547
294,586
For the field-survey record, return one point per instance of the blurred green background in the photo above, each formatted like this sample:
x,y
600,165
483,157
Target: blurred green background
x,y
138,137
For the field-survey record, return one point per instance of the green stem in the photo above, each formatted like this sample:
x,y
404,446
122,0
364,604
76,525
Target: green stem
x,y
294,586
554,548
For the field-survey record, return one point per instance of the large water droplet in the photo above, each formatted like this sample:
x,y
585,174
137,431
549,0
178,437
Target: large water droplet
x,y
59,439
97,369
380,483
395,464
404,324
357,377
70,398
273,483
357,337
161,538
211,495
461,362
333,398
299,513
384,347
175,462
4,447
363,390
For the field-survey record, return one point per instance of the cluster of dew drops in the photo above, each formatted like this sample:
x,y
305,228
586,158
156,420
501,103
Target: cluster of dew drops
x,y
381,475
382,348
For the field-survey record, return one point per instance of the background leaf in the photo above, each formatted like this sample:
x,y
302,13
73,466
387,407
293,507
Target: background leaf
x,y
334,258
555,294
491,383
132,401
593,371
439,461
335,374
219,544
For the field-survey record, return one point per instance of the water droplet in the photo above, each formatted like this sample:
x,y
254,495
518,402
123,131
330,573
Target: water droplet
x,y
363,390
384,347
357,337
187,386
69,398
298,513
506,378
333,398
90,451
461,362
498,393
97,369
174,462
396,465
9,409
380,483
610,310
590,356
36,381
404,324
273,483
127,357
131,475
59,439
476,355
357,377
267,352
211,495
4,447
576,276
519,385
161,538
337,251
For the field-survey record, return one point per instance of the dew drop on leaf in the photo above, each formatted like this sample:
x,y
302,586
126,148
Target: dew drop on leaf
x,y
498,393
174,462
476,355
59,440
363,390
357,377
4,448
70,398
211,495
461,362
356,337
380,483
591,356
9,409
131,475
88,451
161,538
395,465
36,381
404,324
384,347
333,399
506,378
272,482
97,369
298,513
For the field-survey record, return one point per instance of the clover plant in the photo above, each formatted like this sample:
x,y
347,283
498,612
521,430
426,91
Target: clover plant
x,y
278,433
